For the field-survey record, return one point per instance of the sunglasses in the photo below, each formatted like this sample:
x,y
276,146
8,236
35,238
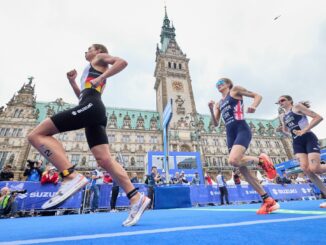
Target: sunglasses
x,y
220,82
281,101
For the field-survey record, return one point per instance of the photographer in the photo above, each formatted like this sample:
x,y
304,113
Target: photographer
x,y
283,180
32,171
6,174
151,181
8,204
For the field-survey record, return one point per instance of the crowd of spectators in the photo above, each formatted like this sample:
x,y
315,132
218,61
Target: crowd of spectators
x,y
36,171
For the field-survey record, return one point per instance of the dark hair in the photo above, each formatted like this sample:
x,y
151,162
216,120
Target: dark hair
x,y
304,103
100,47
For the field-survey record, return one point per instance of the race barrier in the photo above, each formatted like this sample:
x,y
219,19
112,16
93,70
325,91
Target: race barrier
x,y
165,196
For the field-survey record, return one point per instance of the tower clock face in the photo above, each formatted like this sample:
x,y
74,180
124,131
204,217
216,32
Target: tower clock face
x,y
177,86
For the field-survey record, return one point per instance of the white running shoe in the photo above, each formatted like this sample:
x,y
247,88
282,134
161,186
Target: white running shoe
x,y
137,210
323,205
67,188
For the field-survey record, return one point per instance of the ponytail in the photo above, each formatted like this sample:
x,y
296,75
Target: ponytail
x,y
305,103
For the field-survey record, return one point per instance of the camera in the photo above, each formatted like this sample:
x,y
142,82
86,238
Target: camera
x,y
19,192
31,163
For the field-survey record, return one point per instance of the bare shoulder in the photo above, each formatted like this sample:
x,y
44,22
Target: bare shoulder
x,y
298,108
239,91
103,57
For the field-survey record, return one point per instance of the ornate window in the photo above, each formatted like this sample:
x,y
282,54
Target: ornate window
x,y
140,139
75,159
111,138
3,156
125,138
153,140
80,136
92,161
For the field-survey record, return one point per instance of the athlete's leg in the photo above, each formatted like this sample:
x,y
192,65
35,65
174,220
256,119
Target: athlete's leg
x,y
42,139
235,159
105,160
138,201
314,168
314,163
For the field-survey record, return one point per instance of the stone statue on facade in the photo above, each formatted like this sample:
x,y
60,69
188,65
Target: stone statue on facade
x,y
261,129
179,102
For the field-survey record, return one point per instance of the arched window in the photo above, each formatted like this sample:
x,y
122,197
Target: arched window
x,y
16,114
174,65
169,64
180,66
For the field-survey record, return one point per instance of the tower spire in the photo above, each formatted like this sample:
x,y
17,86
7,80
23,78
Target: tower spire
x,y
167,32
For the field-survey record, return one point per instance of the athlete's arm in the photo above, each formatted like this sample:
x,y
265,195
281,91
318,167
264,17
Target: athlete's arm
x,y
216,112
117,65
285,130
71,75
240,91
316,118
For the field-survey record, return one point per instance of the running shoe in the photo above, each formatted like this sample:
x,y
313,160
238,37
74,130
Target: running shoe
x,y
267,165
67,188
137,210
323,205
269,205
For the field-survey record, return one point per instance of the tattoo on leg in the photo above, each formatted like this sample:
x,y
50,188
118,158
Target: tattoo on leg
x,y
45,151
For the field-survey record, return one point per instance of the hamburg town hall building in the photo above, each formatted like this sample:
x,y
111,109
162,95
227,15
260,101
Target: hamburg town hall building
x,y
134,132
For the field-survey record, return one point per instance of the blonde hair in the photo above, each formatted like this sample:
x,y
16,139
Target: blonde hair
x,y
228,81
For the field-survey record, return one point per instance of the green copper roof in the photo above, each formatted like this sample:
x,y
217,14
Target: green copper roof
x,y
120,114
167,32
135,114
265,122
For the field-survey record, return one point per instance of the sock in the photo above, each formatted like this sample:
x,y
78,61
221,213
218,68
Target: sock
x,y
132,193
264,196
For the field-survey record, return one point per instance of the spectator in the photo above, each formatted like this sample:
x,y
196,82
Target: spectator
x,y
50,175
114,196
87,192
107,178
97,179
300,179
175,179
7,174
283,180
264,180
163,177
32,171
8,205
220,180
151,181
195,180
236,177
208,179
182,178
134,178
40,165
293,179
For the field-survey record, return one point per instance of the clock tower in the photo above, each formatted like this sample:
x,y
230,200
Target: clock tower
x,y
172,77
